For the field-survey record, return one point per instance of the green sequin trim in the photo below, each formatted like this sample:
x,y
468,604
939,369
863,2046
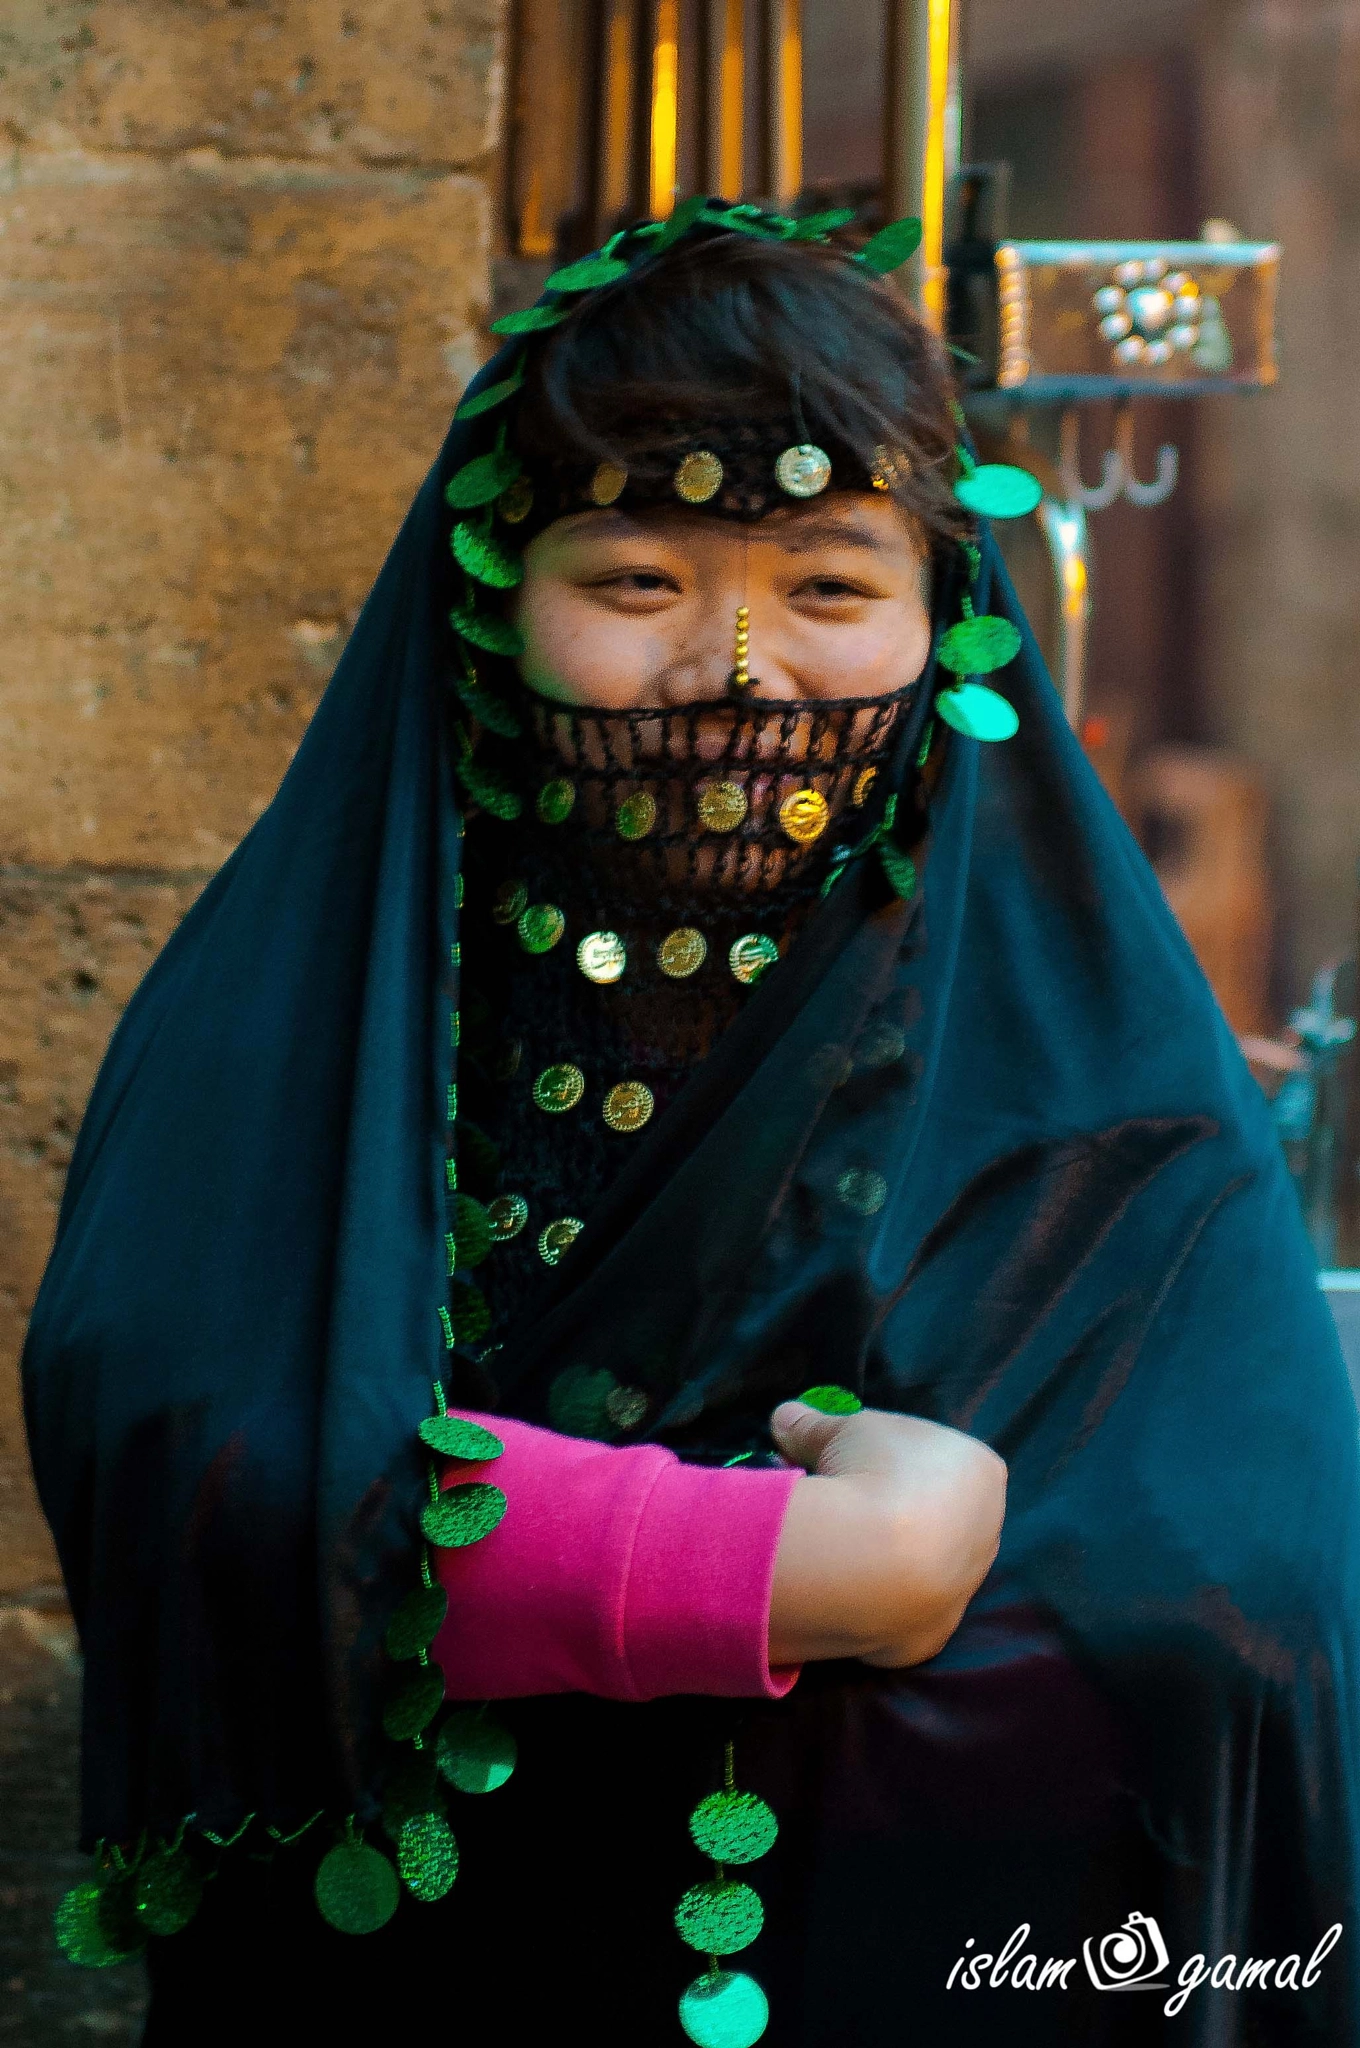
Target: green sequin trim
x,y
976,646
416,1622
532,320
488,707
724,2009
487,630
733,1827
472,1231
587,274
463,1515
832,1400
356,1888
476,1752
490,790
494,395
482,555
481,481
719,1916
411,1710
427,1856
452,1437
891,247
94,1925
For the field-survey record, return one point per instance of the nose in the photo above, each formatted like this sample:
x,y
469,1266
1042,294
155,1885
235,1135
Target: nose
x,y
705,673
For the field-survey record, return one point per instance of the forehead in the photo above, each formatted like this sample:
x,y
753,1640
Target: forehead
x,y
867,521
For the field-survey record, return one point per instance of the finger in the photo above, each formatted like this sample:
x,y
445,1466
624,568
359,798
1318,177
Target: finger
x,y
802,1433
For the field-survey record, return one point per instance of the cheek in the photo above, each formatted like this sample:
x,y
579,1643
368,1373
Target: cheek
x,y
884,653
575,652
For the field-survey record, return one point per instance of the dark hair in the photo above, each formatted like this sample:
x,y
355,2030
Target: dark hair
x,y
723,332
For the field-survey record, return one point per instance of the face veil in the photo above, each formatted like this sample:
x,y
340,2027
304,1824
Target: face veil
x,y
1056,1218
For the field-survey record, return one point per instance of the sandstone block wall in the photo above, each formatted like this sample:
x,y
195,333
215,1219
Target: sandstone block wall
x,y
244,271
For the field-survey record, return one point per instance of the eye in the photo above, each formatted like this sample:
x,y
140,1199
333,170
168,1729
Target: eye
x,y
830,589
643,582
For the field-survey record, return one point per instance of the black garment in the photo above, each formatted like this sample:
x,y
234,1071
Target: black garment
x,y
1086,1251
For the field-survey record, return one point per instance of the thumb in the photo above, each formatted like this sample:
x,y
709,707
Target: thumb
x,y
801,1433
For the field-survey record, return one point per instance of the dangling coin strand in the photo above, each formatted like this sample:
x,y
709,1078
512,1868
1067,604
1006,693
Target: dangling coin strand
x,y
725,2008
978,646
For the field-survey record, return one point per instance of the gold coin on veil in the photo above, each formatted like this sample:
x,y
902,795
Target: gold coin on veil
x,y
721,805
803,815
682,952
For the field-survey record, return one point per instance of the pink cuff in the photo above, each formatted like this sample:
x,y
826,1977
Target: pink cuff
x,y
620,1571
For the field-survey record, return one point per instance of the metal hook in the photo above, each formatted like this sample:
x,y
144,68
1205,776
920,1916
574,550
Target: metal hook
x,y
1095,497
1168,464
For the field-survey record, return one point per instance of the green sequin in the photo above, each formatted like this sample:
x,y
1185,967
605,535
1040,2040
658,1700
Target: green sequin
x,y
578,1401
89,1929
899,868
977,712
468,1312
493,395
490,790
587,274
427,1856
481,481
540,927
488,707
733,1827
463,1515
559,1088
453,1437
487,630
167,1892
356,1888
999,490
724,2009
554,801
813,226
416,1622
862,1190
415,1706
832,1400
471,1230
482,555
476,1752
891,247
977,646
532,320
636,815
412,1787
719,1916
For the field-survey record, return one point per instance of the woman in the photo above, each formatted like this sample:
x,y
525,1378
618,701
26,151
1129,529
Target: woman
x,y
764,1034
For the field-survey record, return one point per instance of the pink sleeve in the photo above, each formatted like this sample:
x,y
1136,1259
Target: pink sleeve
x,y
620,1571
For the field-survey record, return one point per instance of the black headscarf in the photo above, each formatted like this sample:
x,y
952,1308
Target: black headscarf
x,y
1080,1244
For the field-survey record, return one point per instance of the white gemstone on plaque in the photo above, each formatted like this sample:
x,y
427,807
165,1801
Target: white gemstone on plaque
x,y
1159,352
1177,281
1115,326
1151,309
1128,273
1156,266
1188,306
1183,337
1131,351
1109,299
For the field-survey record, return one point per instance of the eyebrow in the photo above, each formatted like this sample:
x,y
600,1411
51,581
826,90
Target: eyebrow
x,y
804,537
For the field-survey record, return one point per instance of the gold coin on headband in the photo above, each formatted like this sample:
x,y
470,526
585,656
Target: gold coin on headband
x,y
517,502
721,805
540,927
698,477
803,471
507,1216
636,815
751,956
602,956
803,815
682,952
628,1105
557,1237
559,1088
607,483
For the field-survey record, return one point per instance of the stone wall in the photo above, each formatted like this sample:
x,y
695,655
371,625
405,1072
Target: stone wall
x,y
1279,476
243,278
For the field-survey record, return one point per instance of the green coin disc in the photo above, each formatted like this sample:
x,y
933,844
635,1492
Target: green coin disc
x,y
977,712
733,1827
481,481
719,1916
890,248
468,1312
415,1706
554,801
724,2009
585,275
463,1515
484,558
487,630
490,790
471,1231
88,1932
899,867
452,1437
412,1787
831,1400
476,1752
416,1622
540,927
494,394
862,1190
427,1856
356,1888
167,1892
533,320
578,1401
976,646
488,707
998,490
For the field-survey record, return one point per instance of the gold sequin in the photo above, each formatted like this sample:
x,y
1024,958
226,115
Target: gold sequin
x,y
891,466
682,952
557,1237
698,477
864,782
607,483
508,901
554,801
636,815
559,1087
628,1105
517,502
803,815
803,471
507,1216
721,805
540,927
625,1406
602,956
752,955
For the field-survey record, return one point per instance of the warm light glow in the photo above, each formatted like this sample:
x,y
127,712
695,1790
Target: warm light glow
x,y
1074,586
535,236
731,102
791,102
934,169
665,66
618,113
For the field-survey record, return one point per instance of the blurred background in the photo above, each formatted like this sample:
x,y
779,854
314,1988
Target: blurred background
x,y
249,250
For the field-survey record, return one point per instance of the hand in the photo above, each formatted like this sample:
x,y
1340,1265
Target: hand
x,y
885,1544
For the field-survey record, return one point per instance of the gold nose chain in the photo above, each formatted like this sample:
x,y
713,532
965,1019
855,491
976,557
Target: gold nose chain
x,y
739,680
